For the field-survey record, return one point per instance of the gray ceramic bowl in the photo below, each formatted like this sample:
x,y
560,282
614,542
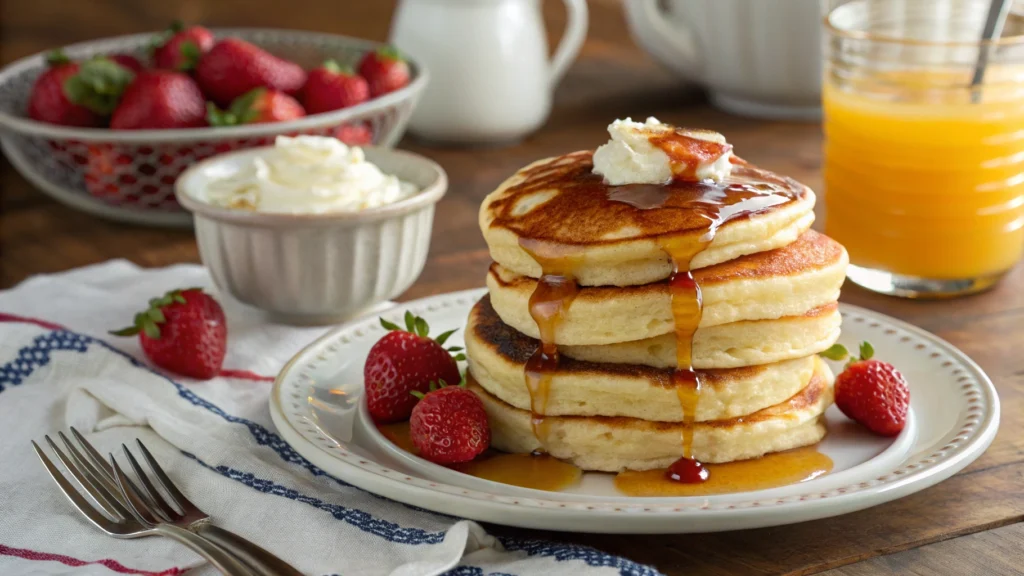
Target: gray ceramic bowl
x,y
316,268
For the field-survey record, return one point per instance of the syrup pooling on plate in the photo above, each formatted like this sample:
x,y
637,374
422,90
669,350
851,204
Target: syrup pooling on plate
x,y
536,471
769,471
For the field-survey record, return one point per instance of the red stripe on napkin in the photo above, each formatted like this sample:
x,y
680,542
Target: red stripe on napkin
x,y
113,565
245,375
240,374
5,317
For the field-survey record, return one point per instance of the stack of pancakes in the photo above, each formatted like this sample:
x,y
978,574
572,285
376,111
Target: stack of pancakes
x,y
607,389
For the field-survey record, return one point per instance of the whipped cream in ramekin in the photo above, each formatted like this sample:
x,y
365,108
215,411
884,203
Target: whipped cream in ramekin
x,y
630,157
307,175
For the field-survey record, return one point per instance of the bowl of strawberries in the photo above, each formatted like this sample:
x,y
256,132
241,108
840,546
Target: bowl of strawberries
x,y
107,126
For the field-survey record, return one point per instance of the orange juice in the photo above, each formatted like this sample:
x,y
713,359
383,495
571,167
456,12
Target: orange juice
x,y
925,185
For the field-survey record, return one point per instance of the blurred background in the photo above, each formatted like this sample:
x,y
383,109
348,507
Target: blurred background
x,y
612,77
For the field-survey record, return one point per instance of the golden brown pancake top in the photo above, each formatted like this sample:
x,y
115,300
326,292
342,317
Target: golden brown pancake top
x,y
516,347
583,210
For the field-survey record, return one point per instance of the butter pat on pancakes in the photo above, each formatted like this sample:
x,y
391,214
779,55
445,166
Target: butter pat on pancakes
x,y
307,175
656,153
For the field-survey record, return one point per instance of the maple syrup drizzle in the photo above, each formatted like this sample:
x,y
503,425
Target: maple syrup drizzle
x,y
549,302
687,309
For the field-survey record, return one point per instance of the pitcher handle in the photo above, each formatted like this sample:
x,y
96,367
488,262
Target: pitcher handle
x,y
673,45
572,39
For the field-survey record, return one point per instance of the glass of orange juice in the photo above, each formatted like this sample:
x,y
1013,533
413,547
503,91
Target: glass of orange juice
x,y
924,165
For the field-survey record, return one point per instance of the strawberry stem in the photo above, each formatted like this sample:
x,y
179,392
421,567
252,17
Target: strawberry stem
x,y
333,67
390,52
190,55
57,57
836,352
866,350
98,84
148,321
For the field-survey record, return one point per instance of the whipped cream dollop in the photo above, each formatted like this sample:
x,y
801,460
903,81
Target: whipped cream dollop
x,y
307,175
636,154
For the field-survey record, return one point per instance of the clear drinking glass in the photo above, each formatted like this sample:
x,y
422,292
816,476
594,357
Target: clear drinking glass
x,y
924,170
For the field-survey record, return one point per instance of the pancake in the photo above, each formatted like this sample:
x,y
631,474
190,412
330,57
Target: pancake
x,y
498,355
732,345
612,444
786,281
612,234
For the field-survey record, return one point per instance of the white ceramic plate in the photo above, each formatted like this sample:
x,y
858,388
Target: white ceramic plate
x,y
317,406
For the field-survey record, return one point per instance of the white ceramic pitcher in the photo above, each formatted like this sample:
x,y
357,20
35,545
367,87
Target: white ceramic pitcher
x,y
490,77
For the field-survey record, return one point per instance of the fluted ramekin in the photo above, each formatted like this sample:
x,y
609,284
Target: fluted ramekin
x,y
316,268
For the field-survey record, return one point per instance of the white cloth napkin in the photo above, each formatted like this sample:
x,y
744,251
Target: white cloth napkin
x,y
217,442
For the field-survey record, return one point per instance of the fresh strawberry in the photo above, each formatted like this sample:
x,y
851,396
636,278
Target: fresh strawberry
x,y
179,48
331,87
449,425
233,67
77,94
355,134
160,99
870,391
256,106
406,361
385,70
128,61
184,332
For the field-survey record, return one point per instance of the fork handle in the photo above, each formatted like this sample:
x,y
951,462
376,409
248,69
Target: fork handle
x,y
259,560
218,557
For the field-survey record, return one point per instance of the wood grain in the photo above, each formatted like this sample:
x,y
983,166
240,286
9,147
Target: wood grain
x,y
994,553
965,525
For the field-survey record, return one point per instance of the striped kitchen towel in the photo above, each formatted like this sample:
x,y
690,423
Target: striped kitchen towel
x,y
59,368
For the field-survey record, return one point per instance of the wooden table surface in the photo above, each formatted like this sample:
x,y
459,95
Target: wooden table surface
x,y
969,524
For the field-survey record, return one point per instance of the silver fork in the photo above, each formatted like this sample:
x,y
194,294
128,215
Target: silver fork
x,y
124,523
150,503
